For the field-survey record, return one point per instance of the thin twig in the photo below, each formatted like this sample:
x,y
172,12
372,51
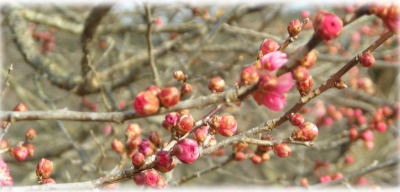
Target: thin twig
x,y
152,62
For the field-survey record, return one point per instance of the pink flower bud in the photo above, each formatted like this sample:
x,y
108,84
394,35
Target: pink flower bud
x,y
367,135
273,60
133,130
367,59
21,108
307,132
44,168
185,124
226,125
269,46
137,159
172,118
200,133
381,127
216,84
305,14
164,161
297,119
169,96
121,105
327,25
249,75
20,153
146,103
282,150
146,147
362,181
240,156
256,159
274,101
187,150
325,179
117,146
327,121
349,159
294,27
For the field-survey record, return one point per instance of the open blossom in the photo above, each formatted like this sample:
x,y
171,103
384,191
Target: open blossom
x,y
273,60
274,101
285,83
5,177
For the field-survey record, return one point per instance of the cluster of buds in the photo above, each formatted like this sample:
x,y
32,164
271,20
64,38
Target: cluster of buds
x,y
24,149
306,131
304,81
390,14
47,38
225,125
148,102
43,171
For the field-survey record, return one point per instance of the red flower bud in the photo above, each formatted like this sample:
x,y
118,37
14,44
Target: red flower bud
x,y
249,75
169,96
185,124
133,130
149,177
269,46
21,107
164,161
216,84
294,27
307,132
325,179
146,147
297,119
282,150
240,156
367,59
44,168
117,146
30,134
146,103
137,159
20,153
256,159
381,127
327,25
367,135
349,159
392,18
353,133
226,125
187,150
